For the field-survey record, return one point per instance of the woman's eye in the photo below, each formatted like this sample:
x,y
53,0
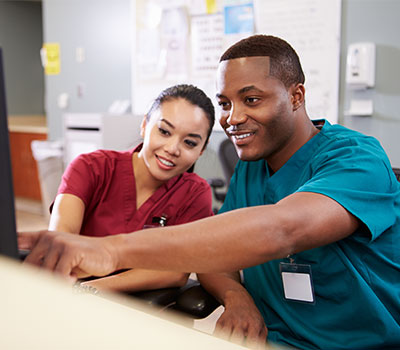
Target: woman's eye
x,y
191,143
163,131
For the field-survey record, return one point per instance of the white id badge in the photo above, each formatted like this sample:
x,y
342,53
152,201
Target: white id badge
x,y
297,282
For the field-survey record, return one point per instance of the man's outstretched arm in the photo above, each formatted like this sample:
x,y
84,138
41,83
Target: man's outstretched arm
x,y
223,243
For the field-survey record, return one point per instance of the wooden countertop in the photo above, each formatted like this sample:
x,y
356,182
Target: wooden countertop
x,y
27,123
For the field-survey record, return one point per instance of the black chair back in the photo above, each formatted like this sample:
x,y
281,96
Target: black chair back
x,y
397,173
228,157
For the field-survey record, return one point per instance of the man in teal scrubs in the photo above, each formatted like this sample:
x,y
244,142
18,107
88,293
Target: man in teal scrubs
x,y
356,293
312,216
337,290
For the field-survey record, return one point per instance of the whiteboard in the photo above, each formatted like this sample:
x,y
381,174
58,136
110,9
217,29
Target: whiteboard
x,y
312,27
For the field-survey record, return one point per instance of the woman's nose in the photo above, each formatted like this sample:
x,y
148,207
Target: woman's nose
x,y
172,147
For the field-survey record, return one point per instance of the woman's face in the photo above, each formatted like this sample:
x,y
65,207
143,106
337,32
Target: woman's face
x,y
174,138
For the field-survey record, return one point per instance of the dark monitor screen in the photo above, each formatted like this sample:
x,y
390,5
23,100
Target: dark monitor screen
x,y
8,236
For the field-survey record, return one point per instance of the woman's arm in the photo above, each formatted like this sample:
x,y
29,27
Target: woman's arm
x,y
67,214
139,279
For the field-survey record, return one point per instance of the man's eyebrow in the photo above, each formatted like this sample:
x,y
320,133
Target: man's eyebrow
x,y
249,88
173,127
242,91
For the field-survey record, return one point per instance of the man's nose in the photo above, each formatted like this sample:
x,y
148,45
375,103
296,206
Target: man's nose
x,y
236,116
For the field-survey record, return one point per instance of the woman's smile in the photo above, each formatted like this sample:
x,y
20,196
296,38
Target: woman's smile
x,y
165,163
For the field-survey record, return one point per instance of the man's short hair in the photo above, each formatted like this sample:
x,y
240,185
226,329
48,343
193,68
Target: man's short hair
x,y
284,61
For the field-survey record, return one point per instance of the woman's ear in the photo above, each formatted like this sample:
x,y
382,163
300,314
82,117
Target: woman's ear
x,y
298,92
143,126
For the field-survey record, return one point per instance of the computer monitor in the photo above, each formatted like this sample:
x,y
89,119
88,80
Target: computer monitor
x,y
8,234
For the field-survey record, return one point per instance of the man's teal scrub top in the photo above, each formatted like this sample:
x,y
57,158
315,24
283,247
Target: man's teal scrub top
x,y
356,280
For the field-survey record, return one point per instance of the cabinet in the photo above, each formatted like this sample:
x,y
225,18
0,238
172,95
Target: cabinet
x,y
22,131
24,169
86,132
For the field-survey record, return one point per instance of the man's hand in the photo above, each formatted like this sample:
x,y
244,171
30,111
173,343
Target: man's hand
x,y
69,255
242,322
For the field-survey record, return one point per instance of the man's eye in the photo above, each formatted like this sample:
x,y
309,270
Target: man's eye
x,y
252,99
223,105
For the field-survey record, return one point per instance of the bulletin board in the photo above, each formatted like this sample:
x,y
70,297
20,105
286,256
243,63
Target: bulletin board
x,y
312,27
180,41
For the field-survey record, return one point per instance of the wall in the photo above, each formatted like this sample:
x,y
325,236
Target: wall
x,y
21,40
102,29
376,21
362,20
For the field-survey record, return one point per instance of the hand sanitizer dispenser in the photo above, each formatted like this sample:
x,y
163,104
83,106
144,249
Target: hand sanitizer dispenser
x,y
360,70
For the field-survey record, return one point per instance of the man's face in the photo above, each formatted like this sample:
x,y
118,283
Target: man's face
x,y
256,109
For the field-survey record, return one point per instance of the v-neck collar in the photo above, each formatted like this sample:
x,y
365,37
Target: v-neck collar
x,y
302,155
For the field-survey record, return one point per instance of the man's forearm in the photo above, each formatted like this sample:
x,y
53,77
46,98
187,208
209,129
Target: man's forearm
x,y
223,243
220,285
241,320
240,238
226,242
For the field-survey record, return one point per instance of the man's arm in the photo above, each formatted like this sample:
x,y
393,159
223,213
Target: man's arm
x,y
240,238
225,242
241,321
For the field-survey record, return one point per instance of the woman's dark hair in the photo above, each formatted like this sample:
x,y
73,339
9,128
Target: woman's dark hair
x,y
193,95
284,61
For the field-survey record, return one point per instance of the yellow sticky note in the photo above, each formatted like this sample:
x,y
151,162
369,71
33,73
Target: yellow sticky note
x,y
211,6
52,54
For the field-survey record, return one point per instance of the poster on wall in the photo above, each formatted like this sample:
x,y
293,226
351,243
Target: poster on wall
x,y
50,56
150,63
175,42
206,42
312,27
161,41
238,21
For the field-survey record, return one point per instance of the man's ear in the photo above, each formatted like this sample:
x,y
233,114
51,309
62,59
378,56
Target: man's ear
x,y
143,126
298,93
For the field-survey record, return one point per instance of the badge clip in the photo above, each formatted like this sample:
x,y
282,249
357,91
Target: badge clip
x,y
297,282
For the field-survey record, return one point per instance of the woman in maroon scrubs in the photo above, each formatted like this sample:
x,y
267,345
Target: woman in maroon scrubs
x,y
108,192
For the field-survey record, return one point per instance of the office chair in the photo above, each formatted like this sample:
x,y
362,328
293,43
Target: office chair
x,y
228,158
397,173
191,300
